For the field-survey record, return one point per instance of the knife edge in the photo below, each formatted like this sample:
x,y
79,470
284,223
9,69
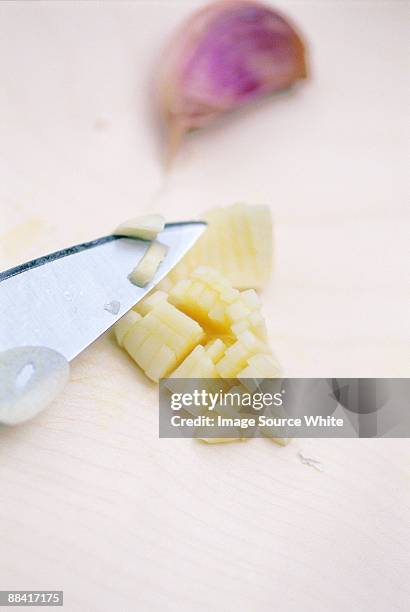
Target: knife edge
x,y
77,248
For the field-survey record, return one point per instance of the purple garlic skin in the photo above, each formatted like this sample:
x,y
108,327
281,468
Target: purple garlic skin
x,y
226,55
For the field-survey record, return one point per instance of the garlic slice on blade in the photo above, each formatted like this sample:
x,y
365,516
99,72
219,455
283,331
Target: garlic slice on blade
x,y
144,272
146,227
30,378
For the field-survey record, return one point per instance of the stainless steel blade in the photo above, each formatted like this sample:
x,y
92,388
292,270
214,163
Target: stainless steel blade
x,y
66,300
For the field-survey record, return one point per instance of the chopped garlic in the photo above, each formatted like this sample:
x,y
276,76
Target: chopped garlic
x,y
210,298
203,328
160,340
146,227
145,271
150,302
123,326
237,243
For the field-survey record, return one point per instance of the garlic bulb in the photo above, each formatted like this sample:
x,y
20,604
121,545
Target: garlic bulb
x,y
226,55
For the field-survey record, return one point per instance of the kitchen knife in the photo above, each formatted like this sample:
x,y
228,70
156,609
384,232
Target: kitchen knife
x,y
66,300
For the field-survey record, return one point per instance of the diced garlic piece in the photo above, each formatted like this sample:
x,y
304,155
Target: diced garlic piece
x,y
217,316
211,277
210,299
254,323
150,302
258,325
215,349
165,285
148,350
229,295
240,327
194,298
163,363
258,369
159,341
178,321
198,364
195,290
123,326
136,336
190,363
146,227
237,355
251,299
252,343
178,292
237,311
145,271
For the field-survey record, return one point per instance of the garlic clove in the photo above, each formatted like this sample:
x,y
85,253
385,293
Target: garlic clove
x,y
30,378
226,55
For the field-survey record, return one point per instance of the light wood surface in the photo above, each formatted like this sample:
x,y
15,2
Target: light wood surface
x,y
91,501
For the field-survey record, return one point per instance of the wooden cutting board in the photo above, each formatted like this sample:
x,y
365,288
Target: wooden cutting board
x,y
92,501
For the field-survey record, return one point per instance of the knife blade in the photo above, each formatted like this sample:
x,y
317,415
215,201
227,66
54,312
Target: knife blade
x,y
66,300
